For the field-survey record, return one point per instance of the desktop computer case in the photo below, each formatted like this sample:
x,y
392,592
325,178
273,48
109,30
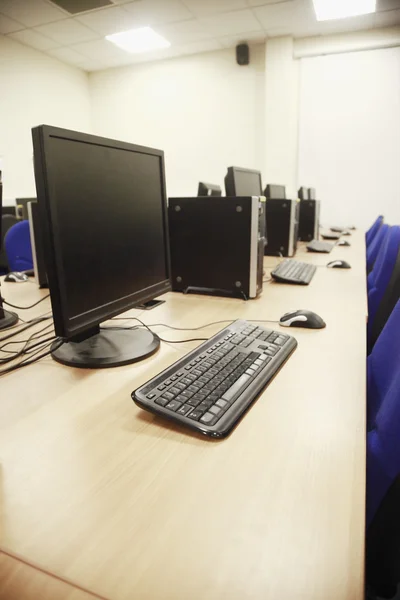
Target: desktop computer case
x,y
282,223
309,220
217,245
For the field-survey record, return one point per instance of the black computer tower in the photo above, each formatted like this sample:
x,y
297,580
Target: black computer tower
x,y
282,224
217,245
309,220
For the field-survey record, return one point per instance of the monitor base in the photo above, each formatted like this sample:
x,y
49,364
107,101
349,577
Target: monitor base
x,y
108,348
7,319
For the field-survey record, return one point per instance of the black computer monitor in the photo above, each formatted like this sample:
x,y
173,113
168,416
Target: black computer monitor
x,y
22,207
7,318
276,192
312,194
103,212
303,193
243,182
209,189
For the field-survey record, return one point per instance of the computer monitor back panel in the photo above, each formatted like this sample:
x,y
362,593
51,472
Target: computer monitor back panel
x,y
312,194
217,245
309,220
282,220
35,230
243,182
303,193
209,189
277,192
103,211
22,207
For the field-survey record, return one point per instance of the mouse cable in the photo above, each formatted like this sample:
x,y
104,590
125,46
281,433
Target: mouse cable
x,y
24,307
26,348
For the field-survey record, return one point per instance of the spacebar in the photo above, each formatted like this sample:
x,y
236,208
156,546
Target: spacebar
x,y
236,387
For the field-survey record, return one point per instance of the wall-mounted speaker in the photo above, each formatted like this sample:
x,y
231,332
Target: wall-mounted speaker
x,y
243,54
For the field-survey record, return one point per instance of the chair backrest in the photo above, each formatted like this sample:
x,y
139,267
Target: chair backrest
x,y
380,276
382,365
18,247
386,305
373,230
374,247
7,221
383,441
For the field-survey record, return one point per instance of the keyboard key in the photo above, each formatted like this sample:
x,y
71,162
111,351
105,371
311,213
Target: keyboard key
x,y
180,386
168,395
151,396
162,387
161,401
174,377
208,419
237,387
173,405
222,403
174,390
195,415
184,409
193,401
215,410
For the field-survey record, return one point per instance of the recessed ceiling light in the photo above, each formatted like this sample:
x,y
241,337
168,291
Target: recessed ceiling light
x,y
341,9
139,40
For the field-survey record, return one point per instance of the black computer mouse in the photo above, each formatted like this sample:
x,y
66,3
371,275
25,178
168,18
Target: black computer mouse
x,y
302,318
338,264
343,243
16,277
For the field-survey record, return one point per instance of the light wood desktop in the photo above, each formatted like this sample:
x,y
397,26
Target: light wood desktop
x,y
124,504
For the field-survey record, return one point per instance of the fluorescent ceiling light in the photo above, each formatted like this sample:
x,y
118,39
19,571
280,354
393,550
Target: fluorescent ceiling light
x,y
341,9
139,40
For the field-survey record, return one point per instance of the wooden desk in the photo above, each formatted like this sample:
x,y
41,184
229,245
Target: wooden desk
x,y
97,491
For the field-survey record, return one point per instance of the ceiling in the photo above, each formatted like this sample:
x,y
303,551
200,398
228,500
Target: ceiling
x,y
191,26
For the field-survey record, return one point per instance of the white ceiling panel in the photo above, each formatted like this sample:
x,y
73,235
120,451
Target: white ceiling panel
x,y
265,2
190,26
8,25
287,15
68,55
252,37
29,37
109,20
100,49
31,12
154,12
67,32
204,8
231,23
185,32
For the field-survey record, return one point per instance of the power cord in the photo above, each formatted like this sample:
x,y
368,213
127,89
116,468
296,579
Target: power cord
x,y
24,307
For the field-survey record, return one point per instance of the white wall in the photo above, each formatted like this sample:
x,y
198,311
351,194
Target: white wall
x,y
34,89
349,146
204,111
281,114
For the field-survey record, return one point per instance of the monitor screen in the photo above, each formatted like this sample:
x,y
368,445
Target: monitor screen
x,y
243,182
103,209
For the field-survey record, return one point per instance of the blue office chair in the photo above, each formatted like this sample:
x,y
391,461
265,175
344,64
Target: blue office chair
x,y
373,230
379,278
18,247
383,441
375,246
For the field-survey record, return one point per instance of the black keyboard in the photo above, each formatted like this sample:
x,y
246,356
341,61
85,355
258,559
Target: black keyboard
x,y
293,271
211,387
317,246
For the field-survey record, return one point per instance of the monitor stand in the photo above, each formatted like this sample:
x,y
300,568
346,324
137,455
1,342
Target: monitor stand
x,y
7,318
103,348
